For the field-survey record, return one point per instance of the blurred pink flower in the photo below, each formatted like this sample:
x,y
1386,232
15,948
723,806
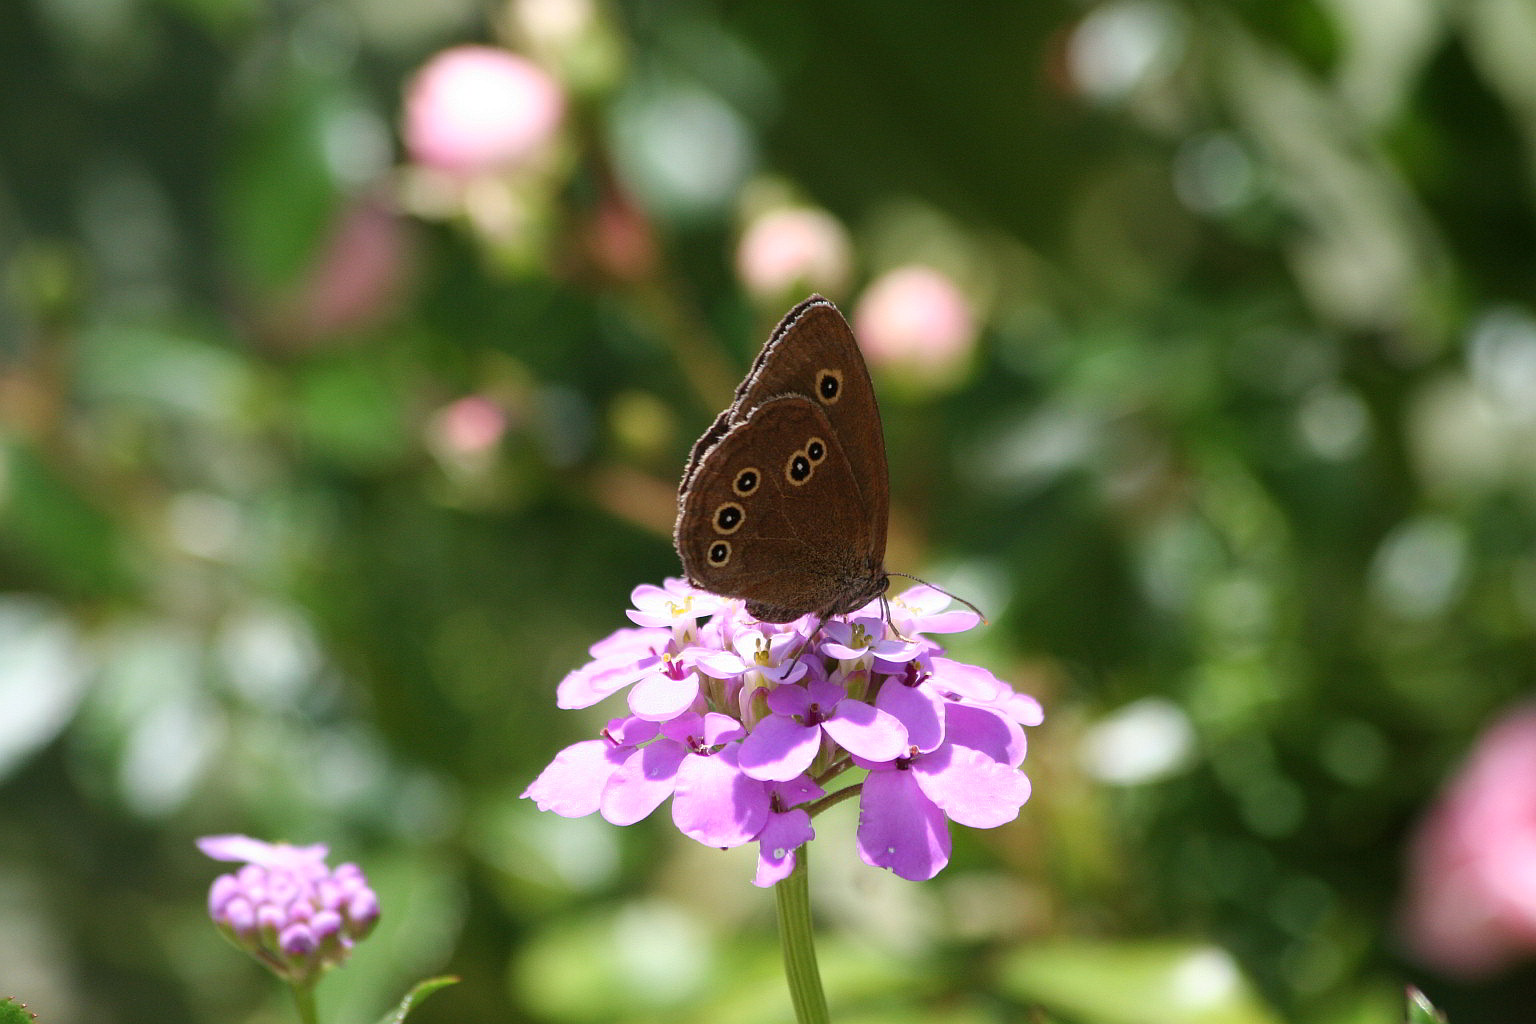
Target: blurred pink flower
x,y
357,278
468,427
793,249
1471,885
621,240
478,109
915,318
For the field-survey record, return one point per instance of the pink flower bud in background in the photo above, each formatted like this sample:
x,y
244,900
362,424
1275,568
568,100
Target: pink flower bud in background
x,y
1471,883
793,250
915,319
478,109
357,278
468,428
620,239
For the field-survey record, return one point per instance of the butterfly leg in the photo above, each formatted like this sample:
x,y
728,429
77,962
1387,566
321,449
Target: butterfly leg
x,y
809,639
885,613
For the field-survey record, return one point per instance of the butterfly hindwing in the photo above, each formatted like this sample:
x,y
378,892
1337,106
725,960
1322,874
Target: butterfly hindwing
x,y
775,512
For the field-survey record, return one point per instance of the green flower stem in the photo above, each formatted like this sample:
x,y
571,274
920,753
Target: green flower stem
x,y
304,998
834,770
833,799
792,897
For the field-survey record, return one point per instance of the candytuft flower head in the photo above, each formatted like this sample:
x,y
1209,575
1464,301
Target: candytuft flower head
x,y
742,723
287,908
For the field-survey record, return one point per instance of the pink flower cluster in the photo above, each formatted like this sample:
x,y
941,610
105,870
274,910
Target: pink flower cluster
x,y
1471,896
743,723
287,908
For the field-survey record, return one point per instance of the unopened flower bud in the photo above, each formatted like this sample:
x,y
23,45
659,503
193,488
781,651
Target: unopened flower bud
x,y
287,908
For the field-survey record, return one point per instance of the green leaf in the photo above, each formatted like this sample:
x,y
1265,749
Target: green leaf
x,y
351,409
416,995
59,531
279,194
1134,983
1421,1010
12,1012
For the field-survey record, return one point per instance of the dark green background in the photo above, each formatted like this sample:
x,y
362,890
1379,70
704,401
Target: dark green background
x,y
1266,457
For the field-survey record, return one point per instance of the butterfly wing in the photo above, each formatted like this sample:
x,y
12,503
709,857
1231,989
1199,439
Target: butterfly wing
x,y
813,353
773,512
706,441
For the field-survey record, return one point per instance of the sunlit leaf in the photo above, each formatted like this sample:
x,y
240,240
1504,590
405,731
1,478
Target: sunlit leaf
x,y
12,1012
1421,1010
413,998
1134,983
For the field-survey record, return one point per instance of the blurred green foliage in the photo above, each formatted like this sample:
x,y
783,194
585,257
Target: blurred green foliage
x,y
1242,469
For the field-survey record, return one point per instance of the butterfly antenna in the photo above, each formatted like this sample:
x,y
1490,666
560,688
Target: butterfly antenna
x,y
952,597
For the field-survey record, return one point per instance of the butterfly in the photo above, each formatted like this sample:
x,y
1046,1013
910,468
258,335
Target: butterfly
x,y
785,499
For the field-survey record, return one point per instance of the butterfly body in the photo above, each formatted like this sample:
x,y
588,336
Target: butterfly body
x,y
785,498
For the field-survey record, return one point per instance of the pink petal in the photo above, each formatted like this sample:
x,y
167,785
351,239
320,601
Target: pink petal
x,y
630,643
241,848
779,839
573,783
896,652
797,791
965,680
922,600
836,640
649,598
646,778
684,729
783,673
970,787
794,700
235,848
720,728
659,698
598,679
957,621
715,803
779,748
867,731
987,730
900,828
917,709
1022,708
841,651
720,664
630,732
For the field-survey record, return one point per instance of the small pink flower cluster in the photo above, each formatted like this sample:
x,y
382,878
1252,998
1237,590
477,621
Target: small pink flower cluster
x,y
287,908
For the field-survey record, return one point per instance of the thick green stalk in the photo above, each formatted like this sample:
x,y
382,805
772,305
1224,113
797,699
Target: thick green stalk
x,y
304,997
792,897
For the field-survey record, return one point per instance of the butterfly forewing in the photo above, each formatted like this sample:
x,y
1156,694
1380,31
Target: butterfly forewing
x,y
811,343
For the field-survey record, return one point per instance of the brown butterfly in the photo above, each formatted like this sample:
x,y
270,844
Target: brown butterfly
x,y
786,497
